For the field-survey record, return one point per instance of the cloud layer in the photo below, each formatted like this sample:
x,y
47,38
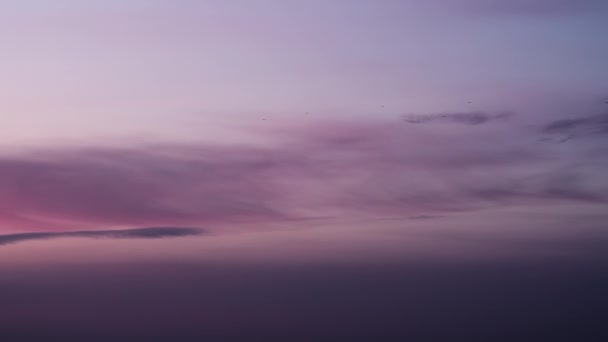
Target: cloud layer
x,y
549,300
355,168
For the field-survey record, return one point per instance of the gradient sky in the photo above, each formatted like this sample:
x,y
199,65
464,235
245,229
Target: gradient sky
x,y
78,70
297,135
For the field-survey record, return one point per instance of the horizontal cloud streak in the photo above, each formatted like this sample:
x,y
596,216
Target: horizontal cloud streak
x,y
470,118
544,299
595,124
136,233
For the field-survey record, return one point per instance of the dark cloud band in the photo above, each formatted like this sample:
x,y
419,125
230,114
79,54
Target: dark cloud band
x,y
136,233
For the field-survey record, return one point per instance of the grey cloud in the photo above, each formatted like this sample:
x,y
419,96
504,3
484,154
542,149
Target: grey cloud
x,y
588,125
468,118
136,233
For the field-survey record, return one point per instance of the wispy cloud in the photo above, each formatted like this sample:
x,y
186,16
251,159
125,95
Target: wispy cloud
x,y
136,233
138,186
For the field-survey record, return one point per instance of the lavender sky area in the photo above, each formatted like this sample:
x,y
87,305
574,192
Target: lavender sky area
x,y
414,170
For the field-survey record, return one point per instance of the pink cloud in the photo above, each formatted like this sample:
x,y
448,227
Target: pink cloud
x,y
355,168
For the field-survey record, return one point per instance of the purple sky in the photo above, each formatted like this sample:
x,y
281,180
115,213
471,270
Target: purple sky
x,y
94,70
257,116
284,132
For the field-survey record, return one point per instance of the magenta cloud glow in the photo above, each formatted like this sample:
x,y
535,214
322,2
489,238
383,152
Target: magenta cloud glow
x,y
366,167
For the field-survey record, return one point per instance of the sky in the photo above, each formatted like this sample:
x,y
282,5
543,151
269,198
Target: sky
x,y
282,169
